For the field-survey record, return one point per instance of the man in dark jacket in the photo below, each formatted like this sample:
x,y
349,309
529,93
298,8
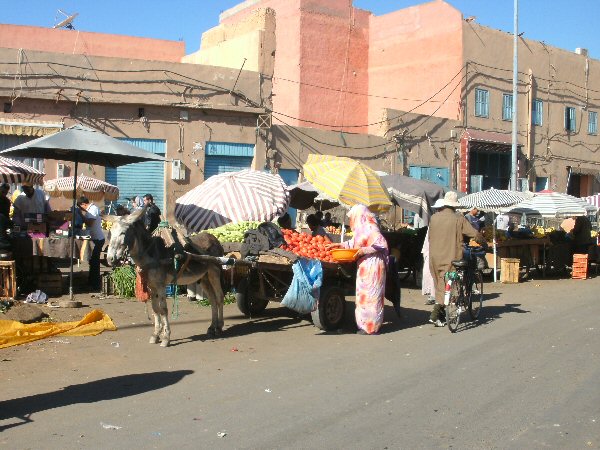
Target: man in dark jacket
x,y
152,216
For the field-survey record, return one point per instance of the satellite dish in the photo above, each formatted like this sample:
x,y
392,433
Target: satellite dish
x,y
68,22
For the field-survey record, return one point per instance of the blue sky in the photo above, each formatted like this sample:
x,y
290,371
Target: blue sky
x,y
562,24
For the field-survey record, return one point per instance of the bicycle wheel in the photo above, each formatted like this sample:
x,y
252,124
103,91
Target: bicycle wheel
x,y
454,307
476,295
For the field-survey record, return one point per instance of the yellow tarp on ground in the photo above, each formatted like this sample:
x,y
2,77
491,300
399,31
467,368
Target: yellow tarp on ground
x,y
17,333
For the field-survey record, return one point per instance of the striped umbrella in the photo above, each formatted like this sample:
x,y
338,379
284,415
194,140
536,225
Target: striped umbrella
x,y
92,188
550,204
492,199
12,171
233,197
347,180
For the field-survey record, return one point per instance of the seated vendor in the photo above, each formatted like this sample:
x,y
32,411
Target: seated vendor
x,y
315,226
581,235
31,201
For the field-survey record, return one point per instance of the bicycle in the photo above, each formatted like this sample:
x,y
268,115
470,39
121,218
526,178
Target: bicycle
x,y
464,289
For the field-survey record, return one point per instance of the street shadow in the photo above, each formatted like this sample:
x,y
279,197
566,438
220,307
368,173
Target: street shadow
x,y
94,391
268,321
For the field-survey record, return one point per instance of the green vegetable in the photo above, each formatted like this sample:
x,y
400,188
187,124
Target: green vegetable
x,y
229,298
232,232
123,279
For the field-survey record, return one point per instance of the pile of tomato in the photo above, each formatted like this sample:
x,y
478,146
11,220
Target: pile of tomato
x,y
307,246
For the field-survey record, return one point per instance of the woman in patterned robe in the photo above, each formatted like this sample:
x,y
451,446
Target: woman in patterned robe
x,y
372,259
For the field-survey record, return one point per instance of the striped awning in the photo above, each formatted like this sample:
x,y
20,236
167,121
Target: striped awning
x,y
92,188
492,199
12,171
233,197
551,204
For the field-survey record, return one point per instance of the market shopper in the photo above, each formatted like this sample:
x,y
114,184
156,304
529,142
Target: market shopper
x,y
372,258
93,221
5,202
427,284
447,231
30,201
581,235
152,216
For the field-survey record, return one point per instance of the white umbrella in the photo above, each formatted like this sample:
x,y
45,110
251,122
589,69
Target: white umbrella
x,y
12,171
548,204
92,188
233,197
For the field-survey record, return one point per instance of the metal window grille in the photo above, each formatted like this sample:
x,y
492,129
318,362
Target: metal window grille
x,y
507,107
592,122
570,123
482,104
537,113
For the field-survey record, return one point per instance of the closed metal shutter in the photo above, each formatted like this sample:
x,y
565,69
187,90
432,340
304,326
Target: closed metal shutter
x,y
141,178
224,157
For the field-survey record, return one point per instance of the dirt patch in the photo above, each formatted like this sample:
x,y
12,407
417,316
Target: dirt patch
x,y
25,313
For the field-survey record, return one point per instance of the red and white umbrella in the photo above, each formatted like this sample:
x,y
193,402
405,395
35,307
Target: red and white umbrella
x,y
233,197
12,171
92,188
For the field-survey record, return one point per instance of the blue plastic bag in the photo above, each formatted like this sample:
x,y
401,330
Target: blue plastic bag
x,y
305,288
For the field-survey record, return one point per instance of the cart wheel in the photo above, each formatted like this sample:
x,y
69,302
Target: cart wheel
x,y
246,303
329,314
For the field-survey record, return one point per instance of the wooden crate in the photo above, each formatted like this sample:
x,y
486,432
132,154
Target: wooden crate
x,y
580,267
509,270
8,281
50,283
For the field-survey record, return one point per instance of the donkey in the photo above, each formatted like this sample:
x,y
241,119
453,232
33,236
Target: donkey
x,y
153,257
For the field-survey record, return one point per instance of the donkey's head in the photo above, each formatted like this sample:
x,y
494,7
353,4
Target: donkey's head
x,y
123,234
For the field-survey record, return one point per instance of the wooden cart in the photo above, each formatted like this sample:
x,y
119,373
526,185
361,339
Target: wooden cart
x,y
267,279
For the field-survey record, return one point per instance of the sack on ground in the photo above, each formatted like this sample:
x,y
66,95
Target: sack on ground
x,y
305,288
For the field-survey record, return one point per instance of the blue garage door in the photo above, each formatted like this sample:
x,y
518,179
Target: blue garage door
x,y
223,157
437,175
141,178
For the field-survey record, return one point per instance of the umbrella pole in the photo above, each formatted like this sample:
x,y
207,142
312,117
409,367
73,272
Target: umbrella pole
x,y
73,230
494,246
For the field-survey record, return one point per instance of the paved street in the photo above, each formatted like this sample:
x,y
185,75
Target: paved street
x,y
526,376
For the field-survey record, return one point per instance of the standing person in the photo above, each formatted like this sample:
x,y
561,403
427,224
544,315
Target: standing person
x,y
30,201
446,233
5,202
371,268
152,216
427,284
93,221
581,235
285,221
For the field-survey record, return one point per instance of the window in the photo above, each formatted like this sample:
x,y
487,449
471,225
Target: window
x,y
570,124
507,107
592,122
482,103
537,112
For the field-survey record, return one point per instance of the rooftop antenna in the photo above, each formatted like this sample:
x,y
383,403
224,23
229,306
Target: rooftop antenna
x,y
68,22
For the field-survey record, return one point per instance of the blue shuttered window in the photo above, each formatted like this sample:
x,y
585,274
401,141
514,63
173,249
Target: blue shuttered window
x,y
482,103
507,107
223,157
136,180
570,123
537,112
592,122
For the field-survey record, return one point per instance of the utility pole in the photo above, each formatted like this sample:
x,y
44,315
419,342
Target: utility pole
x,y
515,128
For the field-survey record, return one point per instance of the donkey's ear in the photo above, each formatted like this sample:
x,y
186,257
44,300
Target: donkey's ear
x,y
136,215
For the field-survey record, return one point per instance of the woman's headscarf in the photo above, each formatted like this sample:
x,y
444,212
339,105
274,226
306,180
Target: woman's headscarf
x,y
365,229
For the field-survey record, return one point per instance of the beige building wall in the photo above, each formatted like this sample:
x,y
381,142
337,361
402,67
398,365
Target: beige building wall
x,y
105,94
557,77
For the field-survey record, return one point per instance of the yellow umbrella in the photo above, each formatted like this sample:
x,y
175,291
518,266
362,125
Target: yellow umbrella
x,y
347,180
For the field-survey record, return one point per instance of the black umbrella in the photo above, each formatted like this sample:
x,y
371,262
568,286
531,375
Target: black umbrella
x,y
413,194
304,195
82,144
